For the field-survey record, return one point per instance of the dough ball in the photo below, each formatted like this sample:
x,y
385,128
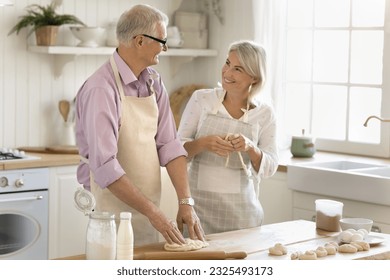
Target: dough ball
x,y
364,232
321,252
332,243
345,236
364,245
278,250
308,255
347,248
331,250
358,246
295,255
190,245
356,237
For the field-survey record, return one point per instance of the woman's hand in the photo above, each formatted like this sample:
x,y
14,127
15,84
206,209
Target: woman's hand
x,y
240,142
218,145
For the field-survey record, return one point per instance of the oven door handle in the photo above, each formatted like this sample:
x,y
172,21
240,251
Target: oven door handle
x,y
37,197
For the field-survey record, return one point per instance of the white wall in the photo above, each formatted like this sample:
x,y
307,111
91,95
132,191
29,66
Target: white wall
x,y
29,90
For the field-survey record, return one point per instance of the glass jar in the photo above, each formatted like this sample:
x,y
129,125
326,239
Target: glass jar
x,y
101,236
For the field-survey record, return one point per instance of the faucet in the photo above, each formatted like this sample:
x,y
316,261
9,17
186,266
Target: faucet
x,y
375,117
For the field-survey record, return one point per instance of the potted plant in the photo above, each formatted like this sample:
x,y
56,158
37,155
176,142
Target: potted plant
x,y
44,22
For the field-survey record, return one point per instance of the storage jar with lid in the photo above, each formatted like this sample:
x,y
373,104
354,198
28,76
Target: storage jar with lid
x,y
303,146
101,236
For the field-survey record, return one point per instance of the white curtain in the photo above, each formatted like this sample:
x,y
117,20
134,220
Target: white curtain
x,y
269,30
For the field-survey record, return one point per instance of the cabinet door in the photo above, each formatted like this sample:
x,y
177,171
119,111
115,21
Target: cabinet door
x,y
276,198
67,225
304,208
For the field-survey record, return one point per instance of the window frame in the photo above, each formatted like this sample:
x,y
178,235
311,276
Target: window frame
x,y
382,149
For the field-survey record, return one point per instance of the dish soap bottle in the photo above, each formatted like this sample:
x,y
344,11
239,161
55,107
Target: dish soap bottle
x,y
125,238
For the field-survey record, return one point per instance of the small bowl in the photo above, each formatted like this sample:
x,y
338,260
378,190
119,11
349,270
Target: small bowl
x,y
356,223
91,37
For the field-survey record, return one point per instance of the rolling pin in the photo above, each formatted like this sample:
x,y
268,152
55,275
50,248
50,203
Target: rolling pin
x,y
191,255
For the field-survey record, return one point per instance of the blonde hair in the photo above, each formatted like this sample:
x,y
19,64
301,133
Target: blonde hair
x,y
140,19
252,57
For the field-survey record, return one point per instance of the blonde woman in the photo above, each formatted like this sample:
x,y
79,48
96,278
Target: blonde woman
x,y
230,138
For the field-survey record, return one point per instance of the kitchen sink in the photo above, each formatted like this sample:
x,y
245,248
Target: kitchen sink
x,y
341,165
377,172
343,179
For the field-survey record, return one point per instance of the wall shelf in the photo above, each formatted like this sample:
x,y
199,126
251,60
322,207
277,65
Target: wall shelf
x,y
109,50
67,54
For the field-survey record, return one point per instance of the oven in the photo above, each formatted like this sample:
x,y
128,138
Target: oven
x,y
24,214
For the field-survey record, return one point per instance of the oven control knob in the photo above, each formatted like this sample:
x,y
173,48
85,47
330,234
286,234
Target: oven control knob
x,y
3,182
19,183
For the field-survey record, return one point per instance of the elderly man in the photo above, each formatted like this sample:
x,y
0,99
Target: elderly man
x,y
125,131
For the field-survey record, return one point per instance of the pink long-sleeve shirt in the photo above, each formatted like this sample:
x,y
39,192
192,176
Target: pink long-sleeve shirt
x,y
98,111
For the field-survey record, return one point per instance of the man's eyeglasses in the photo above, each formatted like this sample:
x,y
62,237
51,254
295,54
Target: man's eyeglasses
x,y
164,42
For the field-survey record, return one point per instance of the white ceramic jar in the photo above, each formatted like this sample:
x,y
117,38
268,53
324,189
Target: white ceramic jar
x,y
303,146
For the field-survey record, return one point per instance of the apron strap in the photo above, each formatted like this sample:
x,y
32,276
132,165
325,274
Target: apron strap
x,y
117,78
84,159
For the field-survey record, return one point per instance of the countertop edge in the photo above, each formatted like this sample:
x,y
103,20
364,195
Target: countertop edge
x,y
286,158
44,160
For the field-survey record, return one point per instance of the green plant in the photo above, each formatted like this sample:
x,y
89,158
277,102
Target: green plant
x,y
38,16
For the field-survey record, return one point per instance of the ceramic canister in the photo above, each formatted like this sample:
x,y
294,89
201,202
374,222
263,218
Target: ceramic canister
x,y
302,146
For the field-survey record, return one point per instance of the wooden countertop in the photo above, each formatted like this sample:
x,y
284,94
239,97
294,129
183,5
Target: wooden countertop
x,y
285,158
299,235
45,160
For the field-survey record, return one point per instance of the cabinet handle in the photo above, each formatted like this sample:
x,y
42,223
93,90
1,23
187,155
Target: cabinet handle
x,y
376,229
38,197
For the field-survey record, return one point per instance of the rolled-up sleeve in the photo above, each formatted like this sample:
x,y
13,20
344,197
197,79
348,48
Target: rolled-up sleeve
x,y
97,125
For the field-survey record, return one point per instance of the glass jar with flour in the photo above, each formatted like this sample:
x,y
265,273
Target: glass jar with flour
x,y
101,231
101,236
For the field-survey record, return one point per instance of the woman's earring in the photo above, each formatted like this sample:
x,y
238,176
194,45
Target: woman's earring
x,y
250,88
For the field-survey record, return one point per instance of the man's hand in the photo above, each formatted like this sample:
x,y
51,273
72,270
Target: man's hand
x,y
186,215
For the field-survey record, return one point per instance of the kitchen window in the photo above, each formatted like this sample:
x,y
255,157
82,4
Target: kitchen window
x,y
337,58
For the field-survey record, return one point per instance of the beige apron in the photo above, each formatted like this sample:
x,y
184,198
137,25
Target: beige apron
x,y
225,195
137,154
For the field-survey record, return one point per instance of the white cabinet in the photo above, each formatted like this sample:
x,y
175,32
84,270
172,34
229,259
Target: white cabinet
x,y
67,225
304,208
276,198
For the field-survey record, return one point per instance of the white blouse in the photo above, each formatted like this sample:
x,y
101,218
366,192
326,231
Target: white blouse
x,y
262,119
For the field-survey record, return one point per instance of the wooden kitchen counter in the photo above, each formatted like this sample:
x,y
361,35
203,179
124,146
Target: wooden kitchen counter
x,y
44,160
299,235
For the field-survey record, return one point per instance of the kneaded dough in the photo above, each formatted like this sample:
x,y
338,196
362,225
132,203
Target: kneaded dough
x,y
190,245
308,255
278,250
347,248
321,252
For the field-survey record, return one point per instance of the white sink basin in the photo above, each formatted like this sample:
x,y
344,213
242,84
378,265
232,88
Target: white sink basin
x,y
340,165
343,179
378,172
